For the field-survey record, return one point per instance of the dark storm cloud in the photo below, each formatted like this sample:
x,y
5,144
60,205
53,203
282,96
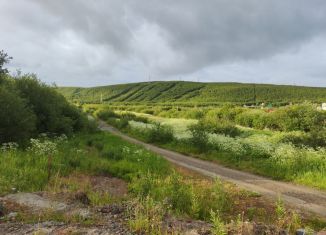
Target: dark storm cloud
x,y
207,32
89,41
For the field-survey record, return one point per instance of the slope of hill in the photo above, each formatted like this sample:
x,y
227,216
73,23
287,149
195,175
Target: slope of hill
x,y
183,92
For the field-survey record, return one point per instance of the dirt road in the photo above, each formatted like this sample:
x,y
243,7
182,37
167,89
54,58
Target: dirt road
x,y
301,197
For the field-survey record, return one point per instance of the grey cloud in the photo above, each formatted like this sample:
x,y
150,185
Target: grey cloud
x,y
107,41
207,32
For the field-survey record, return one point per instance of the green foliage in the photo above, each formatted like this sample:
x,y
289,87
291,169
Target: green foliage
x,y
146,216
159,134
315,139
300,117
254,118
28,170
221,126
199,136
218,227
195,93
106,114
4,59
17,121
55,114
30,107
181,196
118,123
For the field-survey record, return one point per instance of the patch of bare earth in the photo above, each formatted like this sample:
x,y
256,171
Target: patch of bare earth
x,y
65,208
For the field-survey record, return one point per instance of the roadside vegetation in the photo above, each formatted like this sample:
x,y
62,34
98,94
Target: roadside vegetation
x,y
287,144
155,189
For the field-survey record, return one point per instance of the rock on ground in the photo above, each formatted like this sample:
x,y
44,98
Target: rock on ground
x,y
35,201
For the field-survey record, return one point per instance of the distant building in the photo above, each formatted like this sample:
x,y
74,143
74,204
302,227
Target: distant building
x,y
323,106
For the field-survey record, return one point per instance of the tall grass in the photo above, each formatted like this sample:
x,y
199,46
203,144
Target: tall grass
x,y
28,170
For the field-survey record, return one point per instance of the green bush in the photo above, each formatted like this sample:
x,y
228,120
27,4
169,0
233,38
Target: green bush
x,y
29,107
199,136
159,134
296,138
17,121
222,127
252,118
106,114
118,123
317,138
303,117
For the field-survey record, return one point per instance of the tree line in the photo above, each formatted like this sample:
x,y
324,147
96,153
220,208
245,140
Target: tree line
x,y
30,107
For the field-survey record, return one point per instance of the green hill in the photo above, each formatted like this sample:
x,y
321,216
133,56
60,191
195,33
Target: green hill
x,y
194,92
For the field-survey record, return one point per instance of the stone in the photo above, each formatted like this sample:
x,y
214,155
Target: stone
x,y
35,201
12,216
300,232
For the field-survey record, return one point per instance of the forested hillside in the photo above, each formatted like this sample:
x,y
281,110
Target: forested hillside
x,y
176,91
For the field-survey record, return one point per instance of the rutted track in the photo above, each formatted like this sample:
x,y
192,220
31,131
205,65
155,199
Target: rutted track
x,y
301,197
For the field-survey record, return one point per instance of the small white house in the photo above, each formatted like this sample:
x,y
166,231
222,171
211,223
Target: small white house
x,y
323,106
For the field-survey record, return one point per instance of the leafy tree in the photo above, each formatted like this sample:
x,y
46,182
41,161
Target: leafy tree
x,y
17,121
4,59
54,113
30,107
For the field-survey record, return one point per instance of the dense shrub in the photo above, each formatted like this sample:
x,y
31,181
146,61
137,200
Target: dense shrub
x,y
106,114
314,138
159,134
304,117
252,118
296,138
132,117
229,112
318,138
118,123
300,117
54,113
110,114
29,107
219,126
199,136
17,121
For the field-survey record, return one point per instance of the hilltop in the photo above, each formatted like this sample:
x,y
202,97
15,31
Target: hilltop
x,y
195,92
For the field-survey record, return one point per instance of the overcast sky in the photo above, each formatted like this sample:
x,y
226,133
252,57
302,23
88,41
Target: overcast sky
x,y
100,42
